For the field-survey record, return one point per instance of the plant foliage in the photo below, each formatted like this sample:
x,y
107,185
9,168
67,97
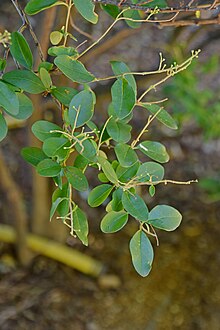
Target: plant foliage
x,y
136,160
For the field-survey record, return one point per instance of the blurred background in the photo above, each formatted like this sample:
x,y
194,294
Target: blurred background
x,y
183,288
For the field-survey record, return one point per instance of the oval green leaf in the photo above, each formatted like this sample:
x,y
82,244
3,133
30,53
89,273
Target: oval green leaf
x,y
43,130
163,116
108,170
150,172
123,98
35,6
80,225
64,94
73,69
135,206
63,207
3,127
118,130
116,203
99,194
154,150
86,9
142,253
33,155
81,108
126,155
165,217
48,168
76,178
26,108
54,146
20,50
121,68
25,80
114,221
8,99
62,50
125,174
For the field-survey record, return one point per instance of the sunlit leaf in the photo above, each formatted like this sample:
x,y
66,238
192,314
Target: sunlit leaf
x,y
154,150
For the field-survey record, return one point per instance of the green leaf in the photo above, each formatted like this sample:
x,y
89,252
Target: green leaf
x,y
62,50
3,64
56,37
152,191
164,217
35,6
108,170
116,203
135,205
126,155
121,68
63,207
76,178
54,146
80,225
86,9
133,14
163,116
87,149
142,253
81,108
43,130
123,98
118,131
26,108
125,174
154,150
3,127
150,172
45,78
48,168
99,194
114,221
46,65
55,205
64,94
25,80
33,155
112,10
8,99
73,69
81,162
103,178
20,50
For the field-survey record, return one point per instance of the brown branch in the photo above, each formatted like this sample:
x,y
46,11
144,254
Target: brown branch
x,y
192,22
140,6
27,24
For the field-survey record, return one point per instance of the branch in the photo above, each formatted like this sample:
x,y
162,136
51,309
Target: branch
x,y
140,6
27,24
55,251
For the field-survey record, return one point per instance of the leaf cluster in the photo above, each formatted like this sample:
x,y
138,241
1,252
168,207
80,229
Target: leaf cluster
x,y
135,162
